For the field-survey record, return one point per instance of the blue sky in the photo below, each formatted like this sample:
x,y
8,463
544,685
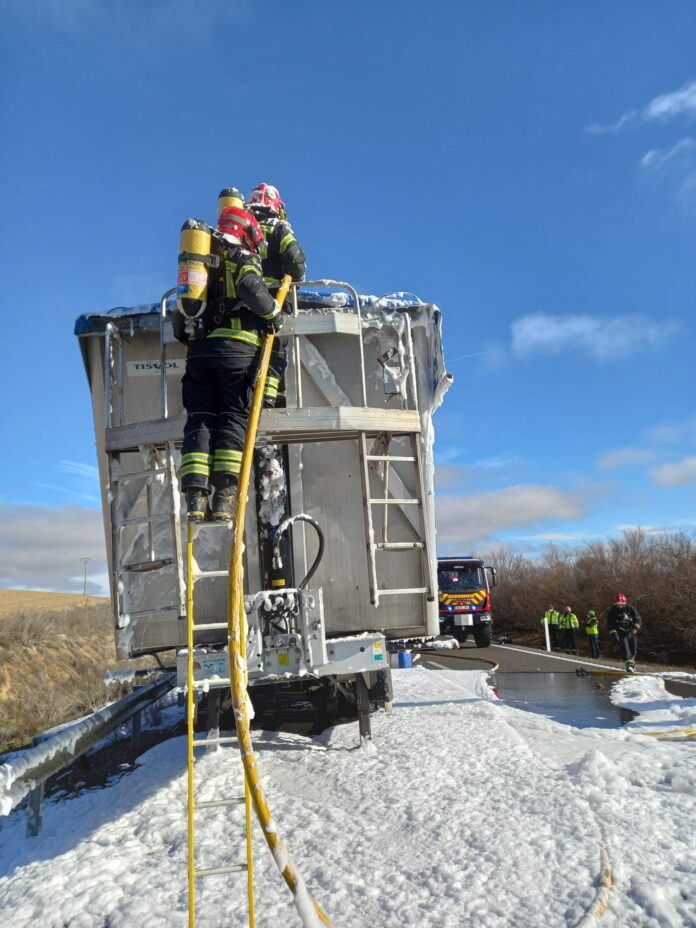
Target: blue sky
x,y
531,168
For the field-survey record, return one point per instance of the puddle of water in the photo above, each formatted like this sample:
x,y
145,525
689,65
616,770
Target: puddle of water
x,y
581,701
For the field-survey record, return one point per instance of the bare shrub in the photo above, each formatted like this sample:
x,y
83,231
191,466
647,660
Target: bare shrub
x,y
656,572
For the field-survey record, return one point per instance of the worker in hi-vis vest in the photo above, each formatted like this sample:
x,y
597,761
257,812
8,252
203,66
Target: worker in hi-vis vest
x,y
568,623
592,632
551,619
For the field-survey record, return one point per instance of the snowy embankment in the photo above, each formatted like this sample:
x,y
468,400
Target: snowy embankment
x,y
467,812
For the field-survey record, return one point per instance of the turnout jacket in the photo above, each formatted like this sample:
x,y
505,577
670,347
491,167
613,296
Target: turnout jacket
x,y
623,619
281,253
239,303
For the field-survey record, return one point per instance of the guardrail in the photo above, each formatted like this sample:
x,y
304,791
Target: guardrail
x,y
26,773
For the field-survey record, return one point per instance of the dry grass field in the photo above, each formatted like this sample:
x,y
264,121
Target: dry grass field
x,y
54,651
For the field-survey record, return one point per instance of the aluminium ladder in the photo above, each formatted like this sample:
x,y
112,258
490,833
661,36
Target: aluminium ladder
x,y
193,686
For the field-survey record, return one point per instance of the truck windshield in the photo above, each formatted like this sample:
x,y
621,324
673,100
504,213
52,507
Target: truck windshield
x,y
460,579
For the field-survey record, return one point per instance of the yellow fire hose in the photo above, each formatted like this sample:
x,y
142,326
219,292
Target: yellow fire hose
x,y
306,906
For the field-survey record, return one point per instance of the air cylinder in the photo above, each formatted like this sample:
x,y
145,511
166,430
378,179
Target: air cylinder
x,y
192,283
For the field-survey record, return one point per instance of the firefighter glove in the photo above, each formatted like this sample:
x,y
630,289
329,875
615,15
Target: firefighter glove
x,y
275,324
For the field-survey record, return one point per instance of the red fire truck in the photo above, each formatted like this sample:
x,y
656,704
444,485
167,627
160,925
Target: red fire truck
x,y
465,585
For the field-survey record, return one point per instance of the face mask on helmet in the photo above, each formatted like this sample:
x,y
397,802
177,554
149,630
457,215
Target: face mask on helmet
x,y
242,226
266,199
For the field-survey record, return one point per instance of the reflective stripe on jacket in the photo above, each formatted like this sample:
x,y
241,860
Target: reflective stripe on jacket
x,y
568,621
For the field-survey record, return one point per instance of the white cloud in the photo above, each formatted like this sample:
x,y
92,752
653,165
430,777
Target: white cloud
x,y
40,548
663,108
624,457
134,22
603,338
677,474
90,471
626,119
469,518
667,106
676,165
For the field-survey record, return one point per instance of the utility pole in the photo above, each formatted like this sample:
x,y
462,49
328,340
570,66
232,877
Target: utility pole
x,y
84,561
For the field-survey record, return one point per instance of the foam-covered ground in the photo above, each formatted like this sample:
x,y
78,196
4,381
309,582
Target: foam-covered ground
x,y
466,812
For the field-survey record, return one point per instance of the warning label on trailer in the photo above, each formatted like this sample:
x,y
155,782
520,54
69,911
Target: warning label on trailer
x,y
152,368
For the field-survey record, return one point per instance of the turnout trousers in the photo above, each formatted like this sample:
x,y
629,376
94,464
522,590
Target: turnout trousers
x,y
628,642
217,390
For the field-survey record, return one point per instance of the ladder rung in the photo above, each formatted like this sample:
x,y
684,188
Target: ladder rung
x,y
174,608
394,502
210,626
124,478
221,681
206,574
214,871
404,592
397,545
390,457
219,803
144,520
144,566
228,739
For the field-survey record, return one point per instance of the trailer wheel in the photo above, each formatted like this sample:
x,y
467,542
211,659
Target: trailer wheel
x,y
483,634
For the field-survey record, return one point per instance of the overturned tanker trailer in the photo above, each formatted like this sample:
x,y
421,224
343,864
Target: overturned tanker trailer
x,y
340,529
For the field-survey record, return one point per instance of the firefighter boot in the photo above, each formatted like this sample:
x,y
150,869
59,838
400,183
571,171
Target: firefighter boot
x,y
196,504
224,504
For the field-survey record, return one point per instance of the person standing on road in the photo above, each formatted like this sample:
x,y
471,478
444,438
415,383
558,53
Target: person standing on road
x,y
551,619
568,623
592,631
623,623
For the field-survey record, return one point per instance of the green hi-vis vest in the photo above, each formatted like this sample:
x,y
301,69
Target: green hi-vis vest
x,y
592,625
568,621
551,616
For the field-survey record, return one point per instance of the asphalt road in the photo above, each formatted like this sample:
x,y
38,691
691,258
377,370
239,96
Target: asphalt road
x,y
514,658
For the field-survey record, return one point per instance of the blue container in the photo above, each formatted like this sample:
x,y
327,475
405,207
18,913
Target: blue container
x,y
405,659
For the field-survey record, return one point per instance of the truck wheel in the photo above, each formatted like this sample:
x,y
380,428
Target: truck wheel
x,y
461,634
483,634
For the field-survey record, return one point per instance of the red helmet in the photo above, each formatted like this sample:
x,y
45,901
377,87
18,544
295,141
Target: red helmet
x,y
620,599
267,198
241,225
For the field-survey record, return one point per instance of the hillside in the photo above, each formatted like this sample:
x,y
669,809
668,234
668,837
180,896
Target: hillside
x,y
14,601
54,651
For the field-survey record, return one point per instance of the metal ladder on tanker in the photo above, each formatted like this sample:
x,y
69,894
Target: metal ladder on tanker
x,y
371,459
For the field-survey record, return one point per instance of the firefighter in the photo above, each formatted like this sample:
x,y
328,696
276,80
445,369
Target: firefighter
x,y
551,618
568,623
592,632
623,623
223,352
280,254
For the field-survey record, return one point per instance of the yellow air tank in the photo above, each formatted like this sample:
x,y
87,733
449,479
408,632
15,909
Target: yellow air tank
x,y
194,259
230,196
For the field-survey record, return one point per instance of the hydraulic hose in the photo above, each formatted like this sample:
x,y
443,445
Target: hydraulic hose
x,y
307,908
283,527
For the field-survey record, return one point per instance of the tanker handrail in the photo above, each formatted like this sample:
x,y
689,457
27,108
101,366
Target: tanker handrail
x,y
163,352
341,285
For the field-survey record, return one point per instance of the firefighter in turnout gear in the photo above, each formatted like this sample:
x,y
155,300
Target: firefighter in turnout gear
x,y
623,623
551,617
223,350
568,623
281,254
592,632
